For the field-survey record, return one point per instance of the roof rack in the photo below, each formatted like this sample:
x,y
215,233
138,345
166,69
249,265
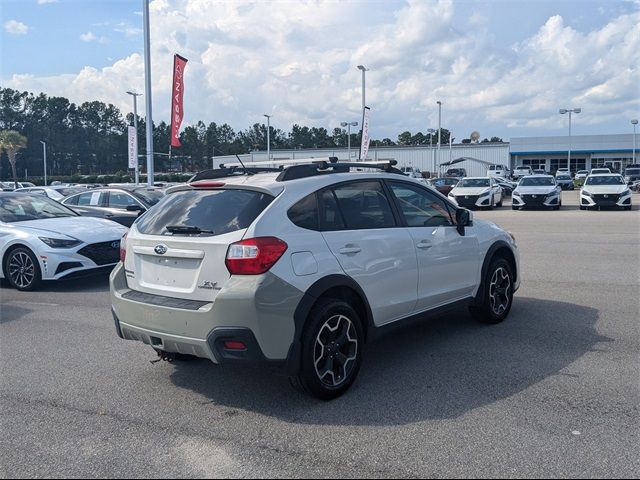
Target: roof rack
x,y
323,168
229,171
280,164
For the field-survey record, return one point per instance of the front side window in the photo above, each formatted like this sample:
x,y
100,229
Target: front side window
x,y
121,200
364,205
420,207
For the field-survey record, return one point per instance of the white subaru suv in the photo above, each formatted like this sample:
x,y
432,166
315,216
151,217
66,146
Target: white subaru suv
x,y
301,268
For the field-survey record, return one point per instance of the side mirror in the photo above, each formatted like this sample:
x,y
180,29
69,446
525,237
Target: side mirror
x,y
134,208
464,218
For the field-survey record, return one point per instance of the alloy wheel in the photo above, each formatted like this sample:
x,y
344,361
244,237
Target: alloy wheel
x,y
500,291
21,269
336,351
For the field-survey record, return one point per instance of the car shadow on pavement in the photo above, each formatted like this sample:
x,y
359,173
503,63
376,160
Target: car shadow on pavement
x,y
11,313
440,369
98,282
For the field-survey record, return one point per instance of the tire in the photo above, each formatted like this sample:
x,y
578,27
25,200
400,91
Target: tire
x,y
628,207
499,205
497,293
22,270
333,330
582,208
514,208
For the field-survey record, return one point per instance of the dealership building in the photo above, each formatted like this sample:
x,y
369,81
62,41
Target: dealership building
x,y
548,153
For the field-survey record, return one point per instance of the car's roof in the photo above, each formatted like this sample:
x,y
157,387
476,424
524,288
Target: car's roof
x,y
605,175
538,175
478,178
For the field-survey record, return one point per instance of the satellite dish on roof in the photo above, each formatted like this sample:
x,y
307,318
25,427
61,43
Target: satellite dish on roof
x,y
475,136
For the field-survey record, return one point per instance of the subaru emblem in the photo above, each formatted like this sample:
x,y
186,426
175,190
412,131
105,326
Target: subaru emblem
x,y
115,245
160,249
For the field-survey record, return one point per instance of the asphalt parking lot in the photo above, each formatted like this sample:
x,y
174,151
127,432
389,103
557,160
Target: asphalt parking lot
x,y
553,391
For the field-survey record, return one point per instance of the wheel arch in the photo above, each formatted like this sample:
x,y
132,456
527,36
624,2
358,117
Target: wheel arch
x,y
341,287
498,249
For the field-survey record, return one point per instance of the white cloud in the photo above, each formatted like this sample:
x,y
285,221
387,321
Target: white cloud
x,y
90,37
44,2
15,28
299,64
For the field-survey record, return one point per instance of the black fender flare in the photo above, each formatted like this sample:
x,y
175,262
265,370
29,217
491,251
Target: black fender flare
x,y
493,249
309,299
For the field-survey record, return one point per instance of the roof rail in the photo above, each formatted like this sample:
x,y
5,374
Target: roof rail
x,y
322,168
229,171
282,163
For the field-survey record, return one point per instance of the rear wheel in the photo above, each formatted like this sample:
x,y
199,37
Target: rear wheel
x,y
497,293
22,270
331,350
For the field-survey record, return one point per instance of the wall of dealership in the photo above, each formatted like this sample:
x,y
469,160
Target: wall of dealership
x,y
587,151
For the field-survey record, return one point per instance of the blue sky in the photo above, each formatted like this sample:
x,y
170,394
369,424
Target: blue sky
x,y
492,63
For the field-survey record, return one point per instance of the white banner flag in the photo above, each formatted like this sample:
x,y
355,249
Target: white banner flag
x,y
133,147
364,147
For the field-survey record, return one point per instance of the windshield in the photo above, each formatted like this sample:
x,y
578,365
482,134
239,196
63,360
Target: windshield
x,y
632,171
605,180
150,197
474,182
205,212
523,169
537,182
563,177
21,208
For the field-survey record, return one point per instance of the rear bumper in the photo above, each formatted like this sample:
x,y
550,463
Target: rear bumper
x,y
255,310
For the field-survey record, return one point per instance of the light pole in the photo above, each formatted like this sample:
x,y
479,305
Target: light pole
x,y
349,125
451,139
135,125
44,152
147,90
439,132
433,158
634,122
569,111
268,136
363,69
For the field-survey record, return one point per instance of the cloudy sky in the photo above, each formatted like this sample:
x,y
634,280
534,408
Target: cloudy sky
x,y
502,67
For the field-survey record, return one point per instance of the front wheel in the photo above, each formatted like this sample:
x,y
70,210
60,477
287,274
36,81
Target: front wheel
x,y
497,294
22,270
331,350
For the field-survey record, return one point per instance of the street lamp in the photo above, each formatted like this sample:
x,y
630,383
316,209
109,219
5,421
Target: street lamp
x,y
147,89
564,111
268,136
439,132
135,125
634,122
363,69
433,158
44,150
349,125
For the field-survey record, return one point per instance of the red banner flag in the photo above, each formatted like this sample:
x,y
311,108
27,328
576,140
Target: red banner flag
x,y
177,112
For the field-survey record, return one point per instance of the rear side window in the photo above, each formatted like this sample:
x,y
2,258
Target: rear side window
x,y
304,214
213,212
364,205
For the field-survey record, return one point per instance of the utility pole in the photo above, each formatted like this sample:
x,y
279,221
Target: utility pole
x,y
147,89
268,136
569,111
439,133
44,151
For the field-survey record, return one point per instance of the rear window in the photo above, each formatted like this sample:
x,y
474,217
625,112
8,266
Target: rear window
x,y
212,212
150,197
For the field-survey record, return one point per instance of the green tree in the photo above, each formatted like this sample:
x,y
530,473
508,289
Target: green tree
x,y
405,138
11,142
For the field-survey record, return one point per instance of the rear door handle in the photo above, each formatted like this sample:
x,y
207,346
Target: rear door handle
x,y
350,250
424,244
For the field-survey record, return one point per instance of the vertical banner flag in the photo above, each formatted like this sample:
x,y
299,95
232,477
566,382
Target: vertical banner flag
x,y
133,147
364,146
177,112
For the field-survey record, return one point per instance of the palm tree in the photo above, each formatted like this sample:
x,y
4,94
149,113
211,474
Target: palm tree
x,y
11,141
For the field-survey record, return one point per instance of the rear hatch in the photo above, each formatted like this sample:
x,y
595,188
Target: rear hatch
x,y
178,248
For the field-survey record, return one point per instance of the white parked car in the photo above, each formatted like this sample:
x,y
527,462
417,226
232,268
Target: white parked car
x,y
498,171
41,239
301,268
537,191
472,192
563,171
605,190
582,174
57,193
521,171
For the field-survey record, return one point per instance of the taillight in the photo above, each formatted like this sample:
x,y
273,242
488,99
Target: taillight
x,y
123,248
254,256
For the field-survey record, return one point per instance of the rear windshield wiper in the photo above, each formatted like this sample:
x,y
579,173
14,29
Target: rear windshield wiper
x,y
187,230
